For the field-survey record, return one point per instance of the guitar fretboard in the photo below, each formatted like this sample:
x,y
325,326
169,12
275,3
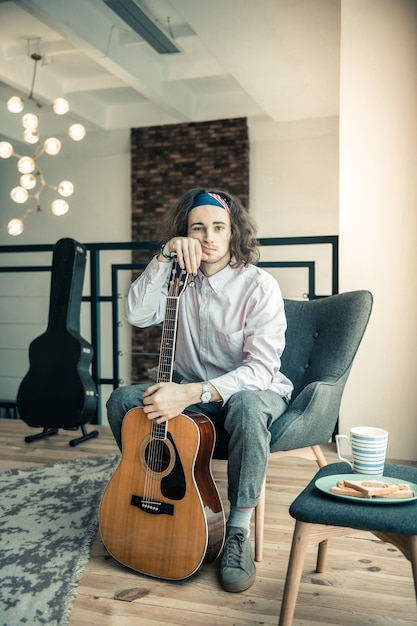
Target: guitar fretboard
x,y
166,356
159,431
169,331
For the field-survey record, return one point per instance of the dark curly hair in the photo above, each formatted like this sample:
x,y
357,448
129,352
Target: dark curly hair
x,y
243,242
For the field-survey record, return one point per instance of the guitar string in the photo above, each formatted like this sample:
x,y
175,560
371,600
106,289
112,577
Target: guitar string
x,y
165,368
158,431
162,377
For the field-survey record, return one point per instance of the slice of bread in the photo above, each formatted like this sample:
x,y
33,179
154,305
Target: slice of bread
x,y
372,489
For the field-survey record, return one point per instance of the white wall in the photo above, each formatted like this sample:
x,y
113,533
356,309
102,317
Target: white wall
x,y
294,192
378,211
294,176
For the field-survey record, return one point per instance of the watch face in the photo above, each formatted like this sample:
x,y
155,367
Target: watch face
x,y
206,396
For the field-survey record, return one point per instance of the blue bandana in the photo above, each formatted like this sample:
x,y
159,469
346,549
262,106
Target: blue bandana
x,y
210,198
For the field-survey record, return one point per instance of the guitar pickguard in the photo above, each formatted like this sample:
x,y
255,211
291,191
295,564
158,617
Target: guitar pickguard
x,y
173,486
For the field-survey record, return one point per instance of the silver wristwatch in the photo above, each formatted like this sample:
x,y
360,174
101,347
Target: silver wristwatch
x,y
206,395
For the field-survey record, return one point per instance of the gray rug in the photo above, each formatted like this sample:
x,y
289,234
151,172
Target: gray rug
x,y
48,519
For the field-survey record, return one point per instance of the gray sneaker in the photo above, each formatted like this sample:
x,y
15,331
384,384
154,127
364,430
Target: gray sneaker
x,y
237,567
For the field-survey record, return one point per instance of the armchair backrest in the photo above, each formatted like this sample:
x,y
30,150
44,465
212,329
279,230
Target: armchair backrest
x,y
323,337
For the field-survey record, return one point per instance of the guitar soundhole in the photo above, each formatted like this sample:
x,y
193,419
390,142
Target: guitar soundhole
x,y
157,456
161,462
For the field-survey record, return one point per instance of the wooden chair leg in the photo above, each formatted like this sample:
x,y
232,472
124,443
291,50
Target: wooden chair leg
x,y
412,556
321,556
413,559
295,569
320,458
259,524
407,544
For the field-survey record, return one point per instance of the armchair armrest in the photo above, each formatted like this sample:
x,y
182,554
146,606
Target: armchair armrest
x,y
311,417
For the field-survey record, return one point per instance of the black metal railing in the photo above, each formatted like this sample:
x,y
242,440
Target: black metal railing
x,y
96,296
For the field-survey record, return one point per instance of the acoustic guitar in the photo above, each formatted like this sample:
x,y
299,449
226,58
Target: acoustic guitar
x,y
161,513
58,390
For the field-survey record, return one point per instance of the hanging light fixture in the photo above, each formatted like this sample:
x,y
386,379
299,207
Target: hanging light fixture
x,y
32,181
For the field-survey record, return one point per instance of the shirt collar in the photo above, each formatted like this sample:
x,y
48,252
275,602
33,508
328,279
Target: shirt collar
x,y
218,280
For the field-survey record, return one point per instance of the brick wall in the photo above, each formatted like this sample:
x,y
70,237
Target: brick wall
x,y
166,162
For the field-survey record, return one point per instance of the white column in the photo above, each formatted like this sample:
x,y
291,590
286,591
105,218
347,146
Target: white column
x,y
378,211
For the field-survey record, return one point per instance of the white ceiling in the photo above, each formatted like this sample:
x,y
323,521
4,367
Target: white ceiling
x,y
278,59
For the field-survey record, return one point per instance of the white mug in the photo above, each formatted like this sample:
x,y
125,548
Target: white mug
x,y
368,446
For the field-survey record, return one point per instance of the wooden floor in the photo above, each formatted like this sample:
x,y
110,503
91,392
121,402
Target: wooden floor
x,y
366,583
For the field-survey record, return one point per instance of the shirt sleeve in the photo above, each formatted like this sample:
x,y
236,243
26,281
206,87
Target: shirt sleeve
x,y
146,299
264,342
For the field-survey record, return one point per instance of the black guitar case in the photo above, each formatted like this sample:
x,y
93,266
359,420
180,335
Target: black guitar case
x,y
58,390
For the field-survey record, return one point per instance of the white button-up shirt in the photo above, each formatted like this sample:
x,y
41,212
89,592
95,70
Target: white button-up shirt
x,y
231,326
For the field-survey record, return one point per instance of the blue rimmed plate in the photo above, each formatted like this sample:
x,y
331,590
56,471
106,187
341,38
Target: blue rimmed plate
x,y
325,483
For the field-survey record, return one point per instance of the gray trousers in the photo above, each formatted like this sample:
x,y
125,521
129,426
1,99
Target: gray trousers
x,y
246,417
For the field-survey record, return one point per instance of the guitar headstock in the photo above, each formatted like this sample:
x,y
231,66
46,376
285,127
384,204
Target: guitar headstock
x,y
179,280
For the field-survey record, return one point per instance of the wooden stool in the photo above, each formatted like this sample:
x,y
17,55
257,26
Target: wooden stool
x,y
319,515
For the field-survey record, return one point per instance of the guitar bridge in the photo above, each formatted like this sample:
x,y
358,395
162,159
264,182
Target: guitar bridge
x,y
152,506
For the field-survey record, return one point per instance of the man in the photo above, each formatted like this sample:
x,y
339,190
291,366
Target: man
x,y
230,337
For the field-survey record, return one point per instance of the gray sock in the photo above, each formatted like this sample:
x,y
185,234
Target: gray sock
x,y
240,519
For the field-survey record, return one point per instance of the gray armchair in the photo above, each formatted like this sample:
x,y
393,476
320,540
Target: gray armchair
x,y
322,339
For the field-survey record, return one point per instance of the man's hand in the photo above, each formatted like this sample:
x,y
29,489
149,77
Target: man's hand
x,y
188,251
164,401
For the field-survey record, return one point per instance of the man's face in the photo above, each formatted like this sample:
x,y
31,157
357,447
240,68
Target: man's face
x,y
211,226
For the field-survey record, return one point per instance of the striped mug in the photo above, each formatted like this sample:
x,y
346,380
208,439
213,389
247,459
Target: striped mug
x,y
368,447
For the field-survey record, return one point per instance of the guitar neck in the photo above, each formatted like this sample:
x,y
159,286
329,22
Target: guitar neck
x,y
169,333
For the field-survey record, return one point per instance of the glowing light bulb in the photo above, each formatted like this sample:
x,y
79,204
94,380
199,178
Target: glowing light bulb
x,y
28,181
59,207
60,106
66,188
52,146
76,132
30,121
15,104
26,165
30,135
19,195
6,149
15,227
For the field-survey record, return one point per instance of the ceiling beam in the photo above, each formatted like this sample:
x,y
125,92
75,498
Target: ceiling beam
x,y
94,32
